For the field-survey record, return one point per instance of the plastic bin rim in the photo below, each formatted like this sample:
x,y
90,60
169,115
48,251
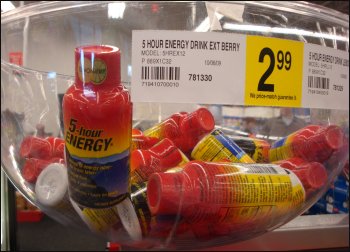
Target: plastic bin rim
x,y
302,7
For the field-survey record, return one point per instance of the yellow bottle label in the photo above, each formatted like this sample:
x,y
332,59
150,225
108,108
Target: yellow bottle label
x,y
217,147
155,131
252,193
261,154
273,192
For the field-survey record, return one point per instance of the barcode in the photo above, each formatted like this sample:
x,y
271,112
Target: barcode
x,y
160,73
318,82
269,169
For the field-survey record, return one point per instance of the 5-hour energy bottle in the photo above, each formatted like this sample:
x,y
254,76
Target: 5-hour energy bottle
x,y
97,113
217,192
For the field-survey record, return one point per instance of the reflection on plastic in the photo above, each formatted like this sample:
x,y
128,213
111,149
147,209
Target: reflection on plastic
x,y
184,129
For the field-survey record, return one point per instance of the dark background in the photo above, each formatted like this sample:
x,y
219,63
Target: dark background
x,y
342,6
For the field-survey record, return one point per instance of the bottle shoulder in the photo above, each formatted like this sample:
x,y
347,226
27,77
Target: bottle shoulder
x,y
95,96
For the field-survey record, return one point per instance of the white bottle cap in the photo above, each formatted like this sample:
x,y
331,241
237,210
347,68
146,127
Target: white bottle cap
x,y
129,219
52,185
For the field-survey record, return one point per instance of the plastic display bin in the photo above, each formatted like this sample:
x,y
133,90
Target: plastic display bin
x,y
244,62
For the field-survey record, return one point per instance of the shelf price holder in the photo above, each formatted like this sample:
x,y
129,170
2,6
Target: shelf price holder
x,y
274,70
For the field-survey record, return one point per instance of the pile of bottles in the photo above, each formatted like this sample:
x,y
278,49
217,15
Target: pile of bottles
x,y
188,177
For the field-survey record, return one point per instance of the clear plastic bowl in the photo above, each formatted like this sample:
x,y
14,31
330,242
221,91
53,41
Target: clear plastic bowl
x,y
41,38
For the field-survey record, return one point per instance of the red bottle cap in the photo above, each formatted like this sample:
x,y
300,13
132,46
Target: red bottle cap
x,y
312,175
334,137
151,141
57,145
139,159
198,122
34,147
167,152
324,142
136,132
59,151
165,193
32,169
299,147
96,65
170,129
143,142
159,158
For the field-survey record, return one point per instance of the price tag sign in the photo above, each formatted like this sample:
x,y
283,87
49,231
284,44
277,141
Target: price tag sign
x,y
236,69
274,69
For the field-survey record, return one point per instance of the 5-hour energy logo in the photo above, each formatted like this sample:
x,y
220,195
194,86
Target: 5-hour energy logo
x,y
86,139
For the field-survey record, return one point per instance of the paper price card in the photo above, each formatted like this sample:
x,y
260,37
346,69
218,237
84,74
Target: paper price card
x,y
273,72
188,67
237,69
325,78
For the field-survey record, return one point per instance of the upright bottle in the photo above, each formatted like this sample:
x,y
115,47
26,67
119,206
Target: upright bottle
x,y
97,114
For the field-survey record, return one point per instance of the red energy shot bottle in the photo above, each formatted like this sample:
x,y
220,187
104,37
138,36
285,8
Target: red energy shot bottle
x,y
226,192
162,156
312,143
97,116
35,147
313,175
141,142
184,129
57,145
217,147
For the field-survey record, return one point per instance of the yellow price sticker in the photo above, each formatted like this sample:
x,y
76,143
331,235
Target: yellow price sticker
x,y
274,69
